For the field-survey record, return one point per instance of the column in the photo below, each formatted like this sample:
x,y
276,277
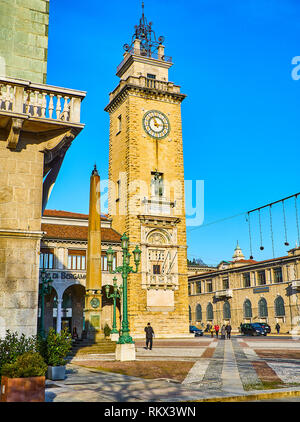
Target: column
x,y
58,317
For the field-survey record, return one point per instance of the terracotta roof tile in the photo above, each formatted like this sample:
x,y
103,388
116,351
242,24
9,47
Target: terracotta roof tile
x,y
251,261
68,214
61,231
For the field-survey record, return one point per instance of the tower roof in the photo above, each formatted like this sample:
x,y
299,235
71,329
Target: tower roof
x,y
238,254
146,35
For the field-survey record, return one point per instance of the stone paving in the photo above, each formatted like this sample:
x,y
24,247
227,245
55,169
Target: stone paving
x,y
222,376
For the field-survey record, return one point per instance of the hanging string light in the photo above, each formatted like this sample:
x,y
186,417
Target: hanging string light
x,y
271,229
261,246
284,223
249,225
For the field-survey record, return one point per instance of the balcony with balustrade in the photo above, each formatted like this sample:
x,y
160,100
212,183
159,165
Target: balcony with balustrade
x,y
37,108
145,84
161,281
158,205
223,294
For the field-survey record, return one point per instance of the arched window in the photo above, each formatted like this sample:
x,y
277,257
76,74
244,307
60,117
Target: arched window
x,y
209,312
190,314
262,308
279,306
198,313
247,309
226,311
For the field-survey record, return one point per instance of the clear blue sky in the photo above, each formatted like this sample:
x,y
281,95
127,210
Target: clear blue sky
x,y
240,118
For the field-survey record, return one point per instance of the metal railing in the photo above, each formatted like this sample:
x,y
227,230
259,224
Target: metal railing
x,y
138,52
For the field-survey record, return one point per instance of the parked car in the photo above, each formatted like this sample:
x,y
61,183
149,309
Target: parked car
x,y
265,326
196,331
253,329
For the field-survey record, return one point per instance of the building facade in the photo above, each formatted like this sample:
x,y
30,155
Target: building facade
x,y
63,257
38,123
241,291
146,189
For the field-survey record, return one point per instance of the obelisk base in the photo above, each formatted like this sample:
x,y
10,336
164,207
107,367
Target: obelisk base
x,y
125,352
92,315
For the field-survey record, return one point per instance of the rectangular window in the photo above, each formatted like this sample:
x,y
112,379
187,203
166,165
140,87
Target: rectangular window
x,y
104,266
277,275
209,286
118,190
246,280
261,276
156,269
225,283
76,260
151,76
157,184
119,128
47,258
198,286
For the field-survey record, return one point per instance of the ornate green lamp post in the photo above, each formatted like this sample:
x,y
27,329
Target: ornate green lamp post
x,y
124,270
45,288
117,293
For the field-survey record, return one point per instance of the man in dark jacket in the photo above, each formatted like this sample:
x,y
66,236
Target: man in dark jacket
x,y
149,335
228,330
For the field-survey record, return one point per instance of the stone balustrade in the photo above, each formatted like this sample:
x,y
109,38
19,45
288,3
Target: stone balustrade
x,y
223,293
158,206
296,284
162,281
38,101
143,82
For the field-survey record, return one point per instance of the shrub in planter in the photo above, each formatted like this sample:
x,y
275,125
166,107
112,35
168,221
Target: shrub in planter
x,y
55,349
107,330
14,345
24,379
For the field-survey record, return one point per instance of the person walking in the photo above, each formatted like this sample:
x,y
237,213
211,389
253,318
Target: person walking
x,y
223,332
217,328
75,334
228,330
149,335
277,326
212,331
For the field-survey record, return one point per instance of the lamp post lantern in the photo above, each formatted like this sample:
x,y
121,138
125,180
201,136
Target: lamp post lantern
x,y
117,293
124,270
45,288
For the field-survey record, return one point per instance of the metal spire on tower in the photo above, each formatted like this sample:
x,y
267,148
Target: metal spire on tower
x,y
145,33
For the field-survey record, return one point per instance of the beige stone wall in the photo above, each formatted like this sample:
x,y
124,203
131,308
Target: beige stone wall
x,y
18,284
24,39
135,154
20,223
21,178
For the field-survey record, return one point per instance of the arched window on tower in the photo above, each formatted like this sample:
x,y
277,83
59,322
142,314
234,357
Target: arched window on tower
x,y
247,309
198,313
279,307
209,312
262,308
226,311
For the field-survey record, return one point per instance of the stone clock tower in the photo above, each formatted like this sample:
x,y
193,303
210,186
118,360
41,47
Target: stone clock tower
x,y
146,184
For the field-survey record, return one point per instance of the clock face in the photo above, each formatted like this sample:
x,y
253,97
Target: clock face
x,y
95,302
156,124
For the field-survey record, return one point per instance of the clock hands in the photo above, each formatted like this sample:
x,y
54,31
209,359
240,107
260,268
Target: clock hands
x,y
157,124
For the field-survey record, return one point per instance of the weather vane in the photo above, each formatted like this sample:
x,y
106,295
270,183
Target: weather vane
x,y
146,35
